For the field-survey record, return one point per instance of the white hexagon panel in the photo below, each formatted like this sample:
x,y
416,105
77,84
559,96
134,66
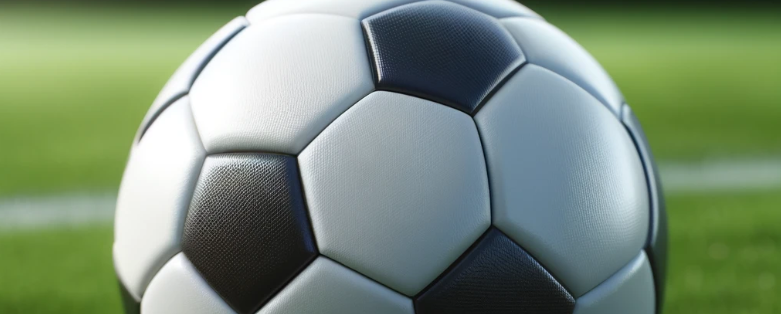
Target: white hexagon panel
x,y
279,83
630,290
567,182
179,289
327,287
154,197
397,189
548,47
179,84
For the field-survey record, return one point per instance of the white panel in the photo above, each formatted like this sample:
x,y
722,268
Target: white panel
x,y
179,289
397,189
154,196
498,8
327,287
658,235
357,9
275,86
566,180
179,84
361,9
547,46
631,290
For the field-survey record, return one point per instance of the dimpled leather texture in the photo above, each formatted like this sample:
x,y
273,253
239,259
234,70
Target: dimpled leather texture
x,y
440,51
327,287
496,276
179,289
154,197
397,189
656,248
567,182
630,290
179,84
247,231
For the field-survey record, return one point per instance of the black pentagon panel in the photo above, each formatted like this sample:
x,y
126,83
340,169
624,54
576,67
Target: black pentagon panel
x,y
440,51
656,248
129,304
495,276
247,231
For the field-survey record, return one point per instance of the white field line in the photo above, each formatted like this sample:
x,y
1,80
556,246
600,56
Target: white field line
x,y
677,178
721,176
59,210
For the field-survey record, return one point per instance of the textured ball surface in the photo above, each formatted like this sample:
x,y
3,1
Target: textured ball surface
x,y
390,156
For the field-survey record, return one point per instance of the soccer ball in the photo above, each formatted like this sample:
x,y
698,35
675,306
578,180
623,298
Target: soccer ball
x,y
390,156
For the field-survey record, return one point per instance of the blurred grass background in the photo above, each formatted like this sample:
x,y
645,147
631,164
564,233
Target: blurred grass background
x,y
76,80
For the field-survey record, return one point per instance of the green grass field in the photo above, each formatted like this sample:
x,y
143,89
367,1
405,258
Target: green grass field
x,y
74,86
58,271
703,83
724,249
75,83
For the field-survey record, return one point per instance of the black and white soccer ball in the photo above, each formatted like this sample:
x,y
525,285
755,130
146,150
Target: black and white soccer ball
x,y
390,156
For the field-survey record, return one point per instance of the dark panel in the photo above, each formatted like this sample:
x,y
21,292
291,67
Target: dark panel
x,y
656,247
495,276
440,51
247,231
130,304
